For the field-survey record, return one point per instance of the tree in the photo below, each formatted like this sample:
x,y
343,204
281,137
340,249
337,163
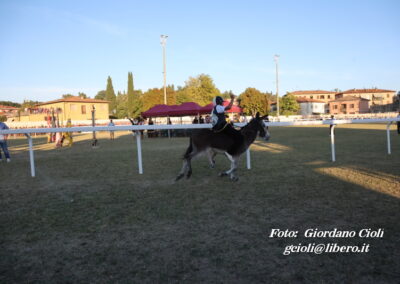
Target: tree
x,y
130,103
134,103
101,95
288,104
227,94
82,95
253,101
110,95
182,96
8,103
201,89
66,96
122,105
29,104
155,96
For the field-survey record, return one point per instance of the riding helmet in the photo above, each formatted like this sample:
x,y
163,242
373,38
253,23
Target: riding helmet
x,y
218,100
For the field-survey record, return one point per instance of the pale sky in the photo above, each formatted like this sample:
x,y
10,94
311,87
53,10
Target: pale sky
x,y
49,48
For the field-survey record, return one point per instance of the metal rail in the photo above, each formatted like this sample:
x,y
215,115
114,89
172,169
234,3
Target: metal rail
x,y
137,128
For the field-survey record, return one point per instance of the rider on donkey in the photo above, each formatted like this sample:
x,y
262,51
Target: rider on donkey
x,y
219,123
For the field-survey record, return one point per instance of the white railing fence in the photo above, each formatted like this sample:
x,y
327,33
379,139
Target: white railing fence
x,y
137,128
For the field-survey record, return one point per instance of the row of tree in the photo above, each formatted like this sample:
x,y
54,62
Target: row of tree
x,y
200,89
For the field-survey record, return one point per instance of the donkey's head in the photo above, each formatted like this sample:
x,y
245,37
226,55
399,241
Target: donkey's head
x,y
261,127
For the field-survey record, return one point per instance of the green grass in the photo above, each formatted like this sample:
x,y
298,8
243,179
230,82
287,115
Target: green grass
x,y
88,216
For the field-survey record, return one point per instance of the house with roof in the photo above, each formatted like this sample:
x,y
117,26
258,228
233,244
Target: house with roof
x,y
320,95
311,106
349,105
379,100
8,111
74,108
325,96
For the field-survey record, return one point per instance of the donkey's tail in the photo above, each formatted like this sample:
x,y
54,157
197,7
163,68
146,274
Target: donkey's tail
x,y
188,150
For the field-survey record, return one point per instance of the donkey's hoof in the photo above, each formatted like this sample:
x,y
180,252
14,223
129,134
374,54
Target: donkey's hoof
x,y
212,165
179,177
189,174
234,178
222,174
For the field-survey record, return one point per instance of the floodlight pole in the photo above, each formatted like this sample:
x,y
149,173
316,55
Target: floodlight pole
x,y
276,58
163,39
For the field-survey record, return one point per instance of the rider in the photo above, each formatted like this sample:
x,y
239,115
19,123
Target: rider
x,y
218,120
219,123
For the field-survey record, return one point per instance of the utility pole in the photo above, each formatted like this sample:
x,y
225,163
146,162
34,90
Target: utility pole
x,y
94,140
276,58
163,39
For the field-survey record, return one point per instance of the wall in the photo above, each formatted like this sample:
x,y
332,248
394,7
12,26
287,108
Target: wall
x,y
308,108
69,110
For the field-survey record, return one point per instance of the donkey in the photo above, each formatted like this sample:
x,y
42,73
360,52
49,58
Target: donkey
x,y
206,140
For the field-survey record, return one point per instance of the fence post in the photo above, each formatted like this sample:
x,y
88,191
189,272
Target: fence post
x,y
248,161
31,157
139,150
388,137
333,142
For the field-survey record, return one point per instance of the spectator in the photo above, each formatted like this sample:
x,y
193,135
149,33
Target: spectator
x,y
111,132
150,133
3,143
68,135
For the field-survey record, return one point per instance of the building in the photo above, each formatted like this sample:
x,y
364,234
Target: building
x,y
379,100
321,95
8,111
311,106
349,105
325,96
74,108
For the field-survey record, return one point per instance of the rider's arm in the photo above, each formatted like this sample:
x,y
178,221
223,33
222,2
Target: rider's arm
x,y
228,107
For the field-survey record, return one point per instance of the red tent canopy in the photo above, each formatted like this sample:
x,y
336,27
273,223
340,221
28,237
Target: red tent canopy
x,y
185,109
173,110
208,108
156,111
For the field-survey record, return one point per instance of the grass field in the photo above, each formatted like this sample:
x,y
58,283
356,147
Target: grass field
x,y
88,216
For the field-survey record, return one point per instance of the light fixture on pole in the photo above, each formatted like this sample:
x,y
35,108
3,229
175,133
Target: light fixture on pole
x,y
276,58
163,39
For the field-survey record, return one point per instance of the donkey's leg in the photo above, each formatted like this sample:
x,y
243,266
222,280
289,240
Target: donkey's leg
x,y
231,172
183,170
225,173
187,165
211,155
234,166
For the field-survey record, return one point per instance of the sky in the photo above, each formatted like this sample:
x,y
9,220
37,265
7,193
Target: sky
x,y
50,48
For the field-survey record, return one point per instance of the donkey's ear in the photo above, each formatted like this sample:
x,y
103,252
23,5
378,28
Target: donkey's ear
x,y
257,115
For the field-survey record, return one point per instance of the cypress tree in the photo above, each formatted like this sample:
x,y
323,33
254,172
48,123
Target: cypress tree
x,y
110,95
131,98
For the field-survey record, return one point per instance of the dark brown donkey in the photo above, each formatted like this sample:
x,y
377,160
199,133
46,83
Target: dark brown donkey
x,y
211,143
